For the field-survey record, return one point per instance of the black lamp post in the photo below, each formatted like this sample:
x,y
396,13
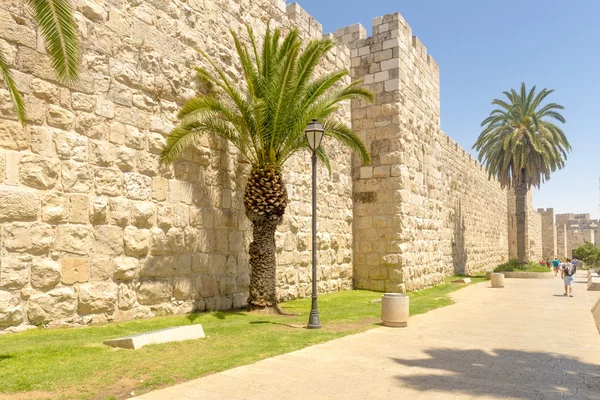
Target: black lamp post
x,y
314,133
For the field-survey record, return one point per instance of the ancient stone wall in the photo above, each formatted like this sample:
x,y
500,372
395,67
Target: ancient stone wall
x,y
92,228
425,208
533,228
534,235
549,237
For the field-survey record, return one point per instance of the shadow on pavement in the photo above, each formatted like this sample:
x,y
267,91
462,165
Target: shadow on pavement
x,y
503,374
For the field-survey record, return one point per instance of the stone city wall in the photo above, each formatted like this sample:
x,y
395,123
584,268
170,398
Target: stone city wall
x,y
534,235
92,228
533,228
425,209
548,233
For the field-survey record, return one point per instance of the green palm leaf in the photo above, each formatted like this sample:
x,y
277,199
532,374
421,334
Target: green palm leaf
x,y
15,95
55,18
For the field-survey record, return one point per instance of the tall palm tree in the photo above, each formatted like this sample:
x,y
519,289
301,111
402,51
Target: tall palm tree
x,y
521,146
55,18
265,120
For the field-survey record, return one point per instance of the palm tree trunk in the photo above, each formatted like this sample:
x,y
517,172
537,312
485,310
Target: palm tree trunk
x,y
263,265
521,211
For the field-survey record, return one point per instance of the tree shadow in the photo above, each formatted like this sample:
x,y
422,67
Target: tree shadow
x,y
503,373
278,323
5,357
459,248
215,314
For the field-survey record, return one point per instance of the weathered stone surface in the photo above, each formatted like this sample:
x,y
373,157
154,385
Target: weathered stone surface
x,y
79,209
120,210
137,241
99,210
55,209
154,292
22,237
76,239
143,214
137,187
70,146
14,272
18,204
59,117
75,270
13,136
108,181
109,240
100,268
182,288
126,268
11,310
126,297
38,172
45,273
53,306
76,177
175,334
97,297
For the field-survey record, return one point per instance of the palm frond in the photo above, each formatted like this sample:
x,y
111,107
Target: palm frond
x,y
15,95
55,18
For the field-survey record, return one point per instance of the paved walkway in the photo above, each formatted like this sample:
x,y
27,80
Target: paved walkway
x,y
525,341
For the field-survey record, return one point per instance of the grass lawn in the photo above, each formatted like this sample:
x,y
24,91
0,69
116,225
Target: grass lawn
x,y
72,363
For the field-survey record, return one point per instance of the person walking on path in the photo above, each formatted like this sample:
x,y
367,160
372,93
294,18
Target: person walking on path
x,y
567,273
555,264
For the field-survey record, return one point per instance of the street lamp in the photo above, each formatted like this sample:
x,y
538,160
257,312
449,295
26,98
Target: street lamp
x,y
314,133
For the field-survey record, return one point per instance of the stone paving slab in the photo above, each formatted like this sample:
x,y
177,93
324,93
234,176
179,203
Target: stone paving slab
x,y
525,341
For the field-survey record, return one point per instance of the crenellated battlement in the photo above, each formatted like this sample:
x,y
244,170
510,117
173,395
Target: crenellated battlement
x,y
304,21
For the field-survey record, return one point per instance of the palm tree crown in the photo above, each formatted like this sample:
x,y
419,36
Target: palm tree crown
x,y
58,28
519,143
266,121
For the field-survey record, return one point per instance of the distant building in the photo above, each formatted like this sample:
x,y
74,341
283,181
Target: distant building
x,y
564,234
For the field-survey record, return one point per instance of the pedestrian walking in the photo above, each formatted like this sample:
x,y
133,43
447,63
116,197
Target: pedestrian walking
x,y
555,265
567,274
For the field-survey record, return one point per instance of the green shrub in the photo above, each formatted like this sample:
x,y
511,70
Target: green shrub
x,y
589,254
515,265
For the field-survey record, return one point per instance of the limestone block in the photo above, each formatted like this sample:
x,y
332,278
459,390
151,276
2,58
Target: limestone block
x,y
18,204
82,101
126,159
137,241
147,164
160,188
59,117
120,210
52,306
154,292
174,334
102,153
70,146
240,300
126,297
76,177
76,239
157,241
143,214
13,136
41,141
207,285
593,284
134,138
109,240
79,209
38,172
182,288
97,297
166,216
55,208
126,268
175,241
14,272
45,273
156,143
227,285
137,187
181,216
75,270
101,268
105,108
11,310
23,237
108,181
99,210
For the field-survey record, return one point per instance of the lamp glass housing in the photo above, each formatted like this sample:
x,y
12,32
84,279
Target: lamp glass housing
x,y
314,134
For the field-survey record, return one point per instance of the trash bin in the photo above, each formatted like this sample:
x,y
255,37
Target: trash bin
x,y
488,274
394,309
498,280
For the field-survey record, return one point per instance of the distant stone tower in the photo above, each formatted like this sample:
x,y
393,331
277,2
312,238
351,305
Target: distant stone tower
x,y
548,233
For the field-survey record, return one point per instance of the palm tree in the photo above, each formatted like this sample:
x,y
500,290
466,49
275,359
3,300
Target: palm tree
x,y
265,121
521,147
55,18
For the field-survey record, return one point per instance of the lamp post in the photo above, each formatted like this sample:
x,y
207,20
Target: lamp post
x,y
314,133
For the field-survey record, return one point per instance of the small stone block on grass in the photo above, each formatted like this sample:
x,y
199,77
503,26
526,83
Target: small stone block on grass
x,y
175,334
462,280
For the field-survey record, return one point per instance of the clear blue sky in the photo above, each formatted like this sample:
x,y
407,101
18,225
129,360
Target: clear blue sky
x,y
486,47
